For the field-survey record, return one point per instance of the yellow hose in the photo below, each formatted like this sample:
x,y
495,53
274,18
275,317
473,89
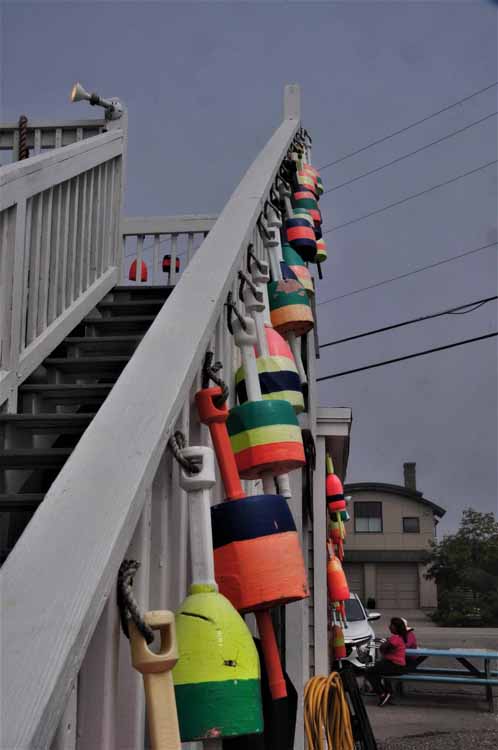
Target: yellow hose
x,y
326,714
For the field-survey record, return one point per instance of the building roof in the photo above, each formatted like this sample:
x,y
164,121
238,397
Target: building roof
x,y
395,489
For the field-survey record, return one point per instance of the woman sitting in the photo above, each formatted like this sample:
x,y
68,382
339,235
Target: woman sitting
x,y
393,661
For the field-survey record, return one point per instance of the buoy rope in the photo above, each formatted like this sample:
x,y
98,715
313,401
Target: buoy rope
x,y
23,138
326,714
127,604
210,372
176,444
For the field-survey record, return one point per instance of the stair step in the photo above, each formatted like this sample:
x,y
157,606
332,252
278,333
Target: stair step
x,y
132,307
28,501
119,323
101,344
38,424
88,365
145,290
34,458
65,393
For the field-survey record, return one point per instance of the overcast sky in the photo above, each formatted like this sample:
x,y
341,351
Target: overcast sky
x,y
203,85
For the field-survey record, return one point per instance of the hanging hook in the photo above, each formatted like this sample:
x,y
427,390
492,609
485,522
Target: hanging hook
x,y
232,308
251,256
262,229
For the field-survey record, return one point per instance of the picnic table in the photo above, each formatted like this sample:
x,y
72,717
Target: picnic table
x,y
466,673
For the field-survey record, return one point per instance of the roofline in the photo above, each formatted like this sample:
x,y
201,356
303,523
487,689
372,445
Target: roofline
x,y
395,489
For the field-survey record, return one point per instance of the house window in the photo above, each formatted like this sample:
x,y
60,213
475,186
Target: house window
x,y
368,518
411,525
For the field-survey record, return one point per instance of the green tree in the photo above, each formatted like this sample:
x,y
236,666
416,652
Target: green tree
x,y
465,568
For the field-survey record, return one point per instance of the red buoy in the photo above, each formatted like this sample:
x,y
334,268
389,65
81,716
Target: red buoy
x,y
133,271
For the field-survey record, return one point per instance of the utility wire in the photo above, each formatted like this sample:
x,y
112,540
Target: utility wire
x,y
411,153
460,310
410,197
408,127
409,273
408,356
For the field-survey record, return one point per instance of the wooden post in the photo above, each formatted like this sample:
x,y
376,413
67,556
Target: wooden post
x,y
292,102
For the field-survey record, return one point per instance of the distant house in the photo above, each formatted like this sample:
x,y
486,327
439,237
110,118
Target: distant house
x,y
388,542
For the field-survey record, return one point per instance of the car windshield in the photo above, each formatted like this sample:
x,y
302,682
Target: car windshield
x,y
354,610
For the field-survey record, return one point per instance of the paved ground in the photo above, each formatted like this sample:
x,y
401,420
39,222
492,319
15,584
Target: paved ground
x,y
441,717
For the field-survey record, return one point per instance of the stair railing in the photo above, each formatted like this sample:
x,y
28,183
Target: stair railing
x,y
42,136
149,239
67,678
60,248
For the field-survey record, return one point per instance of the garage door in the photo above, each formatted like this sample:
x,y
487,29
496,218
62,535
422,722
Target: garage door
x,y
397,586
356,578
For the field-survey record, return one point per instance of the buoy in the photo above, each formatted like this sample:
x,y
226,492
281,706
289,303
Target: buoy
x,y
277,371
132,276
299,268
290,309
226,461
167,264
337,584
265,435
217,678
258,558
338,643
321,251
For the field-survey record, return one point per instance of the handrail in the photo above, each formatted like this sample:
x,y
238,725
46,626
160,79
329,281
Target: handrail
x,y
59,249
52,601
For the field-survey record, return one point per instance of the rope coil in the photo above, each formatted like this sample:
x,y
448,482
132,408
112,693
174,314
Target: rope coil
x,y
326,714
127,604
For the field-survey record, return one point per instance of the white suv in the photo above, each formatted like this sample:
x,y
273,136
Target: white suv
x,y
359,636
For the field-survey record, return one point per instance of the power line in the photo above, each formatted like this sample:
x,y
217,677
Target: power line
x,y
408,127
408,356
460,310
410,197
411,153
409,273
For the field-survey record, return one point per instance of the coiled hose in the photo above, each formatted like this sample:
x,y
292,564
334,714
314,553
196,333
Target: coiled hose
x,y
326,714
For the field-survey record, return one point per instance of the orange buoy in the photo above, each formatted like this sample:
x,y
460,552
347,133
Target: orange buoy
x,y
337,584
133,271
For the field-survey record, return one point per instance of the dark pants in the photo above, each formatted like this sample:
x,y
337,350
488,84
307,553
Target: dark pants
x,y
383,668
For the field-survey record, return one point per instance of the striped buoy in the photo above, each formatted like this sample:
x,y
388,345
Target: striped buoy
x,y
278,379
303,213
217,677
132,276
290,310
306,199
301,237
257,555
299,268
321,254
306,180
281,380
265,438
